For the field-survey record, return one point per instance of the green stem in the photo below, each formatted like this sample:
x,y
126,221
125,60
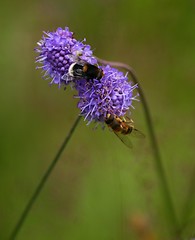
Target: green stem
x,y
42,182
158,162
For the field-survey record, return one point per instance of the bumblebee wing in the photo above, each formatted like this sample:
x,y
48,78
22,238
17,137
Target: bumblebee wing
x,y
125,139
136,133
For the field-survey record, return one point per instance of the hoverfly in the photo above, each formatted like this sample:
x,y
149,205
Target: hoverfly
x,y
123,128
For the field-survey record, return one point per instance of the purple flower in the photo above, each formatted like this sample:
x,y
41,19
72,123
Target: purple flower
x,y
57,51
111,94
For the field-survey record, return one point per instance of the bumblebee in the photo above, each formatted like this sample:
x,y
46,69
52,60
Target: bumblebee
x,y
85,70
123,128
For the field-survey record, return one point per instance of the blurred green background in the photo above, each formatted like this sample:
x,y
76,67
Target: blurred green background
x,y
99,189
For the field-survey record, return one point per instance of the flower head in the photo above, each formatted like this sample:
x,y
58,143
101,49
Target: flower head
x,y
57,51
112,94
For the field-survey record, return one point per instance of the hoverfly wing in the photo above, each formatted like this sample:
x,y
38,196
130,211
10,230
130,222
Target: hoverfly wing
x,y
125,139
136,133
